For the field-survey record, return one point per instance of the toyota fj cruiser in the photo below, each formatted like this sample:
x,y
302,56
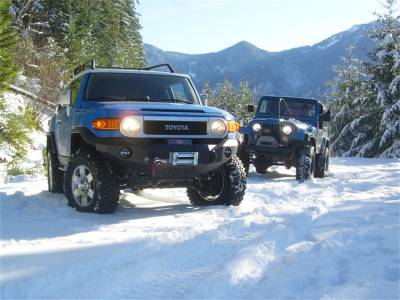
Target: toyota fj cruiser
x,y
120,128
288,131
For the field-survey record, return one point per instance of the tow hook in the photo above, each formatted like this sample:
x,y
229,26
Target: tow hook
x,y
157,163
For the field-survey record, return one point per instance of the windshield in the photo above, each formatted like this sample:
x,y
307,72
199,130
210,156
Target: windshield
x,y
139,87
289,108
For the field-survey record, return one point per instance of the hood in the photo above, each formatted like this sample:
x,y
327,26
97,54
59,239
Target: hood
x,y
157,108
303,122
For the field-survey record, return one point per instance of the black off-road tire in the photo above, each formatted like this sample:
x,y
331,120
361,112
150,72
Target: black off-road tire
x,y
234,176
322,164
261,163
55,177
305,163
105,183
244,155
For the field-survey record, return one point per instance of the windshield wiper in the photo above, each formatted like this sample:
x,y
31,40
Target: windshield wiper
x,y
176,101
116,98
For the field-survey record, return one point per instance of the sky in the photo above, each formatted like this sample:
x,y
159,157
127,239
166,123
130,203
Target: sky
x,y
202,26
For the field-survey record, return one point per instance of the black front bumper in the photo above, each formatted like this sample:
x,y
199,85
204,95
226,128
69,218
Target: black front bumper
x,y
152,157
277,150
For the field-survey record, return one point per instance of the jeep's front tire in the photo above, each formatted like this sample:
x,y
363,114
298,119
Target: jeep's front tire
x,y
89,184
55,176
305,163
322,164
225,186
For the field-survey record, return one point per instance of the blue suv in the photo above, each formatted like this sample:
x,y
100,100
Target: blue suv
x,y
287,131
120,128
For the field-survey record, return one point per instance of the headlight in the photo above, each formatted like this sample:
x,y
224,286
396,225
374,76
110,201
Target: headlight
x,y
130,126
287,129
256,127
218,127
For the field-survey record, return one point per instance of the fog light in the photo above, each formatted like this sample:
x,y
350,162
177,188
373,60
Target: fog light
x,y
228,152
125,152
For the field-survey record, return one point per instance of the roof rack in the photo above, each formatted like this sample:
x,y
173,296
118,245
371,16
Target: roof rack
x,y
158,66
92,65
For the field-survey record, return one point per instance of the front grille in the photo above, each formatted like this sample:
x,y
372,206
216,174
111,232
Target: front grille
x,y
174,128
272,129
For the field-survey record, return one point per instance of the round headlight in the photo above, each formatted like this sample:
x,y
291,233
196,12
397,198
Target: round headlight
x,y
287,129
130,126
256,127
218,127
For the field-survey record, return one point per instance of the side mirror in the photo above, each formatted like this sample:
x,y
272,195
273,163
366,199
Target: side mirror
x,y
65,97
205,101
327,116
250,108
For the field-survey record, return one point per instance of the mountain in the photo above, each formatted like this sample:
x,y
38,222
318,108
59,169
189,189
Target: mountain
x,y
299,71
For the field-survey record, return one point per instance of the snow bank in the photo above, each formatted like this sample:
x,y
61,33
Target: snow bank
x,y
336,237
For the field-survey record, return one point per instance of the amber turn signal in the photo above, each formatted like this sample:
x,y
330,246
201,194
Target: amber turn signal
x,y
106,124
233,126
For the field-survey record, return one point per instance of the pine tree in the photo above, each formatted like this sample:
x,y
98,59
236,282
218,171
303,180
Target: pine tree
x,y
13,129
227,98
246,97
345,100
7,43
58,16
107,31
384,85
367,121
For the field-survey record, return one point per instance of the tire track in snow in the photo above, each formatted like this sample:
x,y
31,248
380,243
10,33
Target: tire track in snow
x,y
148,275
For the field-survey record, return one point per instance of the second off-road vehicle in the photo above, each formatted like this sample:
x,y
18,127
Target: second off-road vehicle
x,y
288,131
137,128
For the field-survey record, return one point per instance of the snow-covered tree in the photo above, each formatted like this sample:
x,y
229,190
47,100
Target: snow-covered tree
x,y
107,31
13,124
365,99
384,84
227,98
7,43
346,102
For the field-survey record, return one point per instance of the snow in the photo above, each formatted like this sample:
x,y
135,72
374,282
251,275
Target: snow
x,y
394,85
396,56
393,151
354,28
330,42
390,122
13,104
388,40
336,237
34,156
345,109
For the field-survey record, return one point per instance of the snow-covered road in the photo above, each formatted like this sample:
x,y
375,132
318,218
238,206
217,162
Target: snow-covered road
x,y
336,237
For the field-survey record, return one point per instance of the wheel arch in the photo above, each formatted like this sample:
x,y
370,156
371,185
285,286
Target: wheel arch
x,y
79,142
313,142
